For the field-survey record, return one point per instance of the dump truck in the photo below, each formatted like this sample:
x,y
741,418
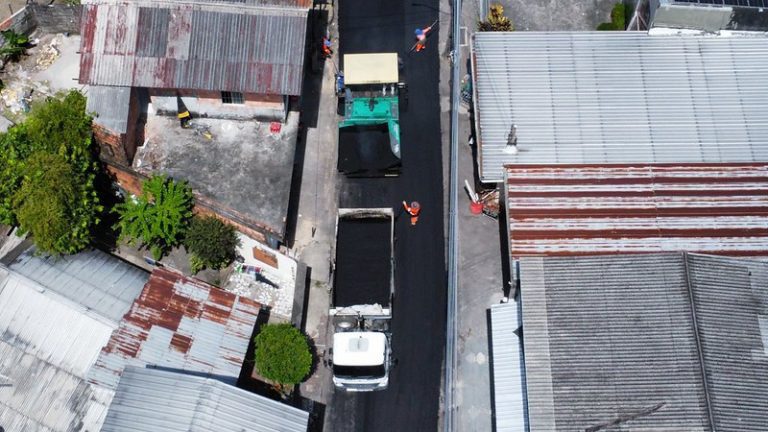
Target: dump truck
x,y
369,90
361,299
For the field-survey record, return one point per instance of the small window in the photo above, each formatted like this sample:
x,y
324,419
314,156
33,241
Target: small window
x,y
232,98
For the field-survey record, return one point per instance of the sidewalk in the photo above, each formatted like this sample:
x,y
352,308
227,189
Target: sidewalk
x,y
316,218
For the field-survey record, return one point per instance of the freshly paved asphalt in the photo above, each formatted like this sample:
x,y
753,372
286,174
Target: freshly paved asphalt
x,y
411,403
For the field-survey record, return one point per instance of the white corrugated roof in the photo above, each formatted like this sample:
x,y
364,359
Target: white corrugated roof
x,y
149,400
508,370
618,97
93,279
48,344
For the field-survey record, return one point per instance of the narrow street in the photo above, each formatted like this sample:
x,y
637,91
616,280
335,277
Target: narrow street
x,y
412,401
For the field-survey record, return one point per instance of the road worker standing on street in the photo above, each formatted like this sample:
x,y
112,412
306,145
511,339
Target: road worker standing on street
x,y
421,38
413,210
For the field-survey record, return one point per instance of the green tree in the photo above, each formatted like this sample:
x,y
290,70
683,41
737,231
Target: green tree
x,y
58,131
157,218
58,125
282,354
54,206
211,242
496,21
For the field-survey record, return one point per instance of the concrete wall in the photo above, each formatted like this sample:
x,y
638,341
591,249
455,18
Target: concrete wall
x,y
56,18
21,22
209,104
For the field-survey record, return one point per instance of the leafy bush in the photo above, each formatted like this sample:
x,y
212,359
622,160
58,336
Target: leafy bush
x,y
14,47
282,354
211,242
158,217
618,18
496,21
53,206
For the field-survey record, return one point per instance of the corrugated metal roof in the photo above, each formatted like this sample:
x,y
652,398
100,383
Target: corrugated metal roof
x,y
47,345
607,337
94,279
150,400
170,45
731,302
594,209
300,4
508,369
622,342
618,97
111,106
180,323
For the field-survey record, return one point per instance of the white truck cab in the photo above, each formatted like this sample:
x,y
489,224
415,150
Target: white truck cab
x,y
360,360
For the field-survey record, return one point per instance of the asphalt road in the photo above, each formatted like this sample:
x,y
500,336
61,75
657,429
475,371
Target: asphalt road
x,y
411,402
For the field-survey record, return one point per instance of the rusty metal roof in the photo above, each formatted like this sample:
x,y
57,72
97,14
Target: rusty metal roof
x,y
180,323
596,209
194,45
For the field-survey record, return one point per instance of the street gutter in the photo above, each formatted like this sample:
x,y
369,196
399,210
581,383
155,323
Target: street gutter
x,y
451,355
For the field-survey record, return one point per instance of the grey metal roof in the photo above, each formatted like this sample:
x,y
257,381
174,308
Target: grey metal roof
x,y
197,46
110,105
47,345
724,21
94,279
624,342
731,303
618,97
508,372
149,400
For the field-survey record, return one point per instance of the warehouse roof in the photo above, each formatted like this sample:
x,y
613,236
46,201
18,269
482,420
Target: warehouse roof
x,y
94,279
258,48
48,344
608,209
180,323
647,342
149,400
618,97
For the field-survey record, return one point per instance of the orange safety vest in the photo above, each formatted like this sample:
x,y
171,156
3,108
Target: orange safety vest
x,y
413,210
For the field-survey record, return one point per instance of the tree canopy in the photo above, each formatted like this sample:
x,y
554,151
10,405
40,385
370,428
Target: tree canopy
x,y
57,132
282,354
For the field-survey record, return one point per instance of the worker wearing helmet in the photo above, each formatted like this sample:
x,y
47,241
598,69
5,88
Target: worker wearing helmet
x,y
421,38
413,210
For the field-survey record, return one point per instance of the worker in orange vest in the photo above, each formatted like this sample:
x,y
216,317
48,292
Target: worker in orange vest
x,y
327,51
421,38
413,210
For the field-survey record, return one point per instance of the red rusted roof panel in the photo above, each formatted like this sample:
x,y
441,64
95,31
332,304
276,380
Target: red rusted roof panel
x,y
608,209
182,323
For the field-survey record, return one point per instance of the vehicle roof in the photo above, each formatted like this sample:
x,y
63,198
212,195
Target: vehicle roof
x,y
380,68
359,348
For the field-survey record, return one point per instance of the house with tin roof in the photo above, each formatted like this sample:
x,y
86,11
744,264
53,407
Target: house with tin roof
x,y
204,91
669,341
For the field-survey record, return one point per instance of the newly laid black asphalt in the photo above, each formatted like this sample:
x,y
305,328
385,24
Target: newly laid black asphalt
x,y
411,403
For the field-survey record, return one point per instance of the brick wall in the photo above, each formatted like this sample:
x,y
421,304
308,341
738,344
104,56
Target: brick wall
x,y
111,145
